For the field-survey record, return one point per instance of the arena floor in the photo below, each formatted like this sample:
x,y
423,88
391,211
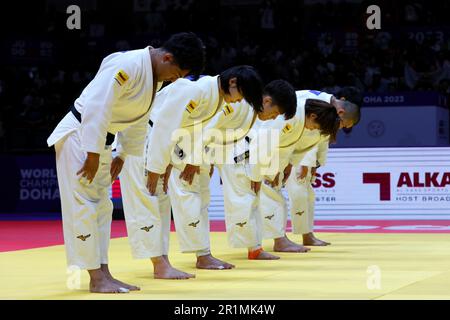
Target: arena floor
x,y
358,265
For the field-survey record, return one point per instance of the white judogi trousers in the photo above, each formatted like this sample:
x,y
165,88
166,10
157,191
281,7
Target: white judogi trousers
x,y
242,219
147,217
273,210
301,201
86,208
190,208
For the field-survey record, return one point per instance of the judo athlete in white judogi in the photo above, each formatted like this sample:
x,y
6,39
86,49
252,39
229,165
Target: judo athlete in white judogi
x,y
312,114
241,174
320,121
176,140
348,109
148,215
301,193
116,101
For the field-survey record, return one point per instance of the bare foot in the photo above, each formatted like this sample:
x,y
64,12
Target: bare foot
x,y
105,269
125,285
286,245
172,273
310,240
105,285
164,270
263,255
211,263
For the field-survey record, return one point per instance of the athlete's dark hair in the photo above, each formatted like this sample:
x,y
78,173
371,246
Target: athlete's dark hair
x,y
327,117
248,83
283,95
353,101
351,94
188,51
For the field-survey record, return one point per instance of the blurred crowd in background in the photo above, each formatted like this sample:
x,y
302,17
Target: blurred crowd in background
x,y
320,45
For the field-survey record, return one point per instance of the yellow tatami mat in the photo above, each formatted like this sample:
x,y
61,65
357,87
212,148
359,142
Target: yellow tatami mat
x,y
356,266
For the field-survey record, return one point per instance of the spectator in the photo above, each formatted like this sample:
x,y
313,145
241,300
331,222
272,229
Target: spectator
x,y
311,44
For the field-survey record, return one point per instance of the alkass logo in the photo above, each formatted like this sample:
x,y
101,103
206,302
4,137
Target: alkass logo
x,y
427,180
407,180
384,180
326,180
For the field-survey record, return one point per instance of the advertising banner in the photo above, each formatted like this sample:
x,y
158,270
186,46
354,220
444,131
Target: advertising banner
x,y
376,184
384,183
29,184
355,184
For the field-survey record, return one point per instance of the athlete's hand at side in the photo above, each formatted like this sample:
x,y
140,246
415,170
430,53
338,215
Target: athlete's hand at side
x,y
256,186
189,173
274,182
152,182
166,178
116,168
287,172
90,166
303,173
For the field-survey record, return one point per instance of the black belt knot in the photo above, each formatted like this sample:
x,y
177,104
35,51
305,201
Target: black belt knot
x,y
109,136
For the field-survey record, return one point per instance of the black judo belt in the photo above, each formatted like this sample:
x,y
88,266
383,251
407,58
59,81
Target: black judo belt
x,y
245,155
179,152
242,157
109,136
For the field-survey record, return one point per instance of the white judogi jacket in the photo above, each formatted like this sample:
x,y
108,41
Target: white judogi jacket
x,y
289,132
228,129
309,138
268,141
236,119
294,139
317,156
117,100
187,105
